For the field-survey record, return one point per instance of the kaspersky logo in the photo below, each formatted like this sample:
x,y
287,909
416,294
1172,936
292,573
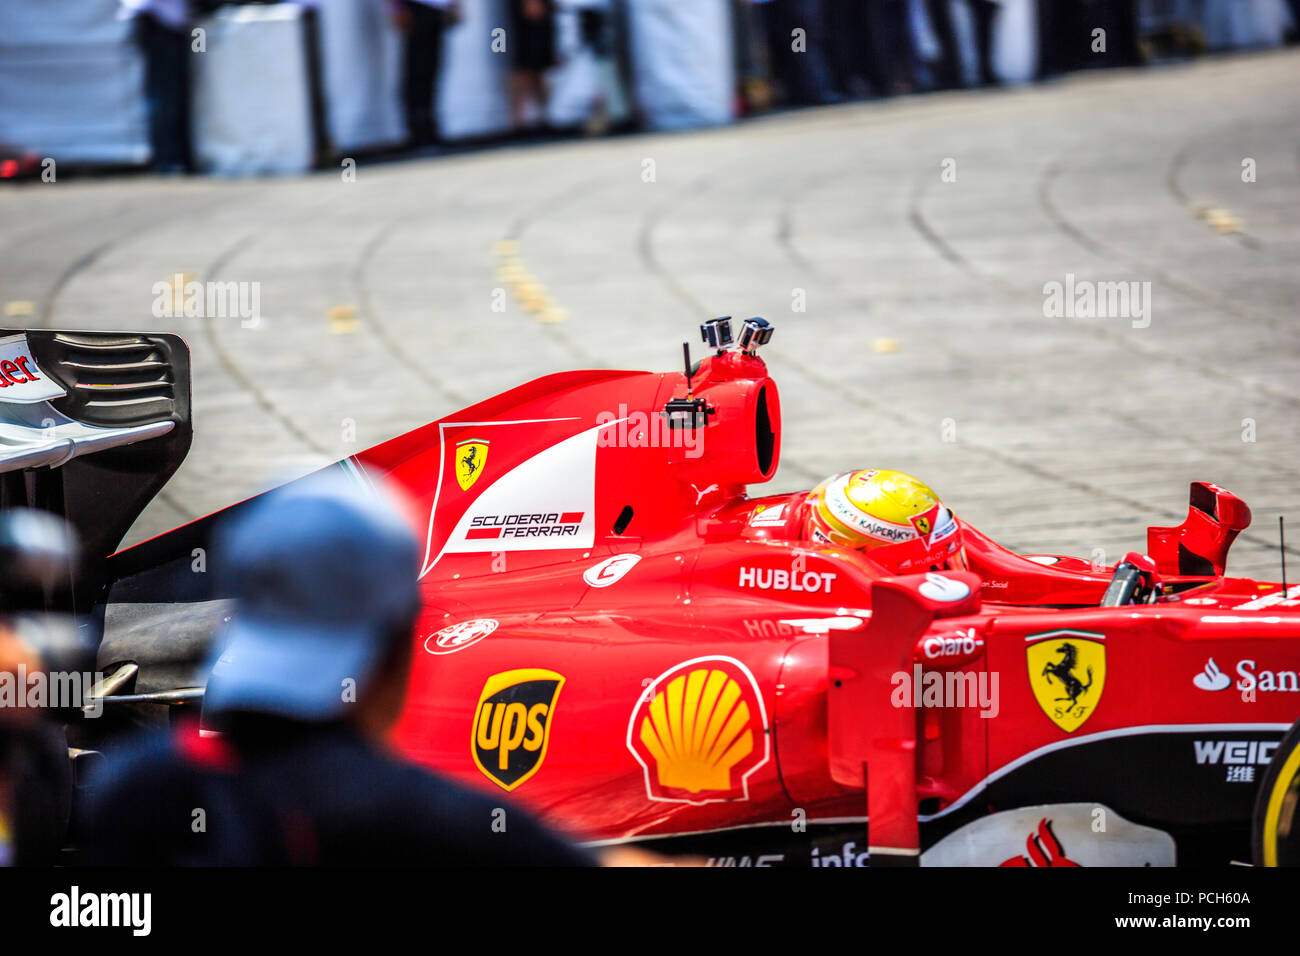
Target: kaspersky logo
x,y
699,730
512,724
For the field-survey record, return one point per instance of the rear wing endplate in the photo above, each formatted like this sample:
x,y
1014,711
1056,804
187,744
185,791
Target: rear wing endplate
x,y
92,425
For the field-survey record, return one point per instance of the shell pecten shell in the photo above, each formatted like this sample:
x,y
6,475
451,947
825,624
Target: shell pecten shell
x,y
698,728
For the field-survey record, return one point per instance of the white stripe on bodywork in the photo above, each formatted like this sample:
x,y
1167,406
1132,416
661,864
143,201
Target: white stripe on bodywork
x,y
428,565
1091,738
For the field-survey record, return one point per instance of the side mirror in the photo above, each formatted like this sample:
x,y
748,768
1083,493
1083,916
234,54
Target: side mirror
x,y
1199,546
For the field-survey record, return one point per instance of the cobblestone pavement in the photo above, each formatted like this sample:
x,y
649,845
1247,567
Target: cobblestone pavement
x,y
900,248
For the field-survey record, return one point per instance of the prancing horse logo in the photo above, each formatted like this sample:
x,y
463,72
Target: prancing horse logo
x,y
1063,670
471,456
1067,672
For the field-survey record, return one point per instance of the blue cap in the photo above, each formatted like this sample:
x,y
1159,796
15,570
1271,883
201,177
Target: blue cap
x,y
322,569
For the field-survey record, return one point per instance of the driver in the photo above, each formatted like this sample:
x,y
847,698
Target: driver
x,y
890,516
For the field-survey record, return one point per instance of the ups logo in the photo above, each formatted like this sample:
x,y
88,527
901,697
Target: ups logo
x,y
512,724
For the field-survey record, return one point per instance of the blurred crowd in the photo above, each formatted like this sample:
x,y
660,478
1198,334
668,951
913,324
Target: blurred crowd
x,y
889,47
865,48
782,53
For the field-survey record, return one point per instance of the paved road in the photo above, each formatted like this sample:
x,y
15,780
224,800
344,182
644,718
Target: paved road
x,y
1065,433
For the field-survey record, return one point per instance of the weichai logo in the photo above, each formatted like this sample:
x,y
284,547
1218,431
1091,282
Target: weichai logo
x,y
699,731
555,524
512,724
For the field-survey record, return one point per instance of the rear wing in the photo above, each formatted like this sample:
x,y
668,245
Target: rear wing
x,y
92,425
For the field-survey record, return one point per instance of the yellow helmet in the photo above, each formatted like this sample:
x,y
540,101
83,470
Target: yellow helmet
x,y
898,520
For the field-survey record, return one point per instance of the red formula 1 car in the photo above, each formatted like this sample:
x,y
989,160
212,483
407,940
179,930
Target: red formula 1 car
x,y
619,637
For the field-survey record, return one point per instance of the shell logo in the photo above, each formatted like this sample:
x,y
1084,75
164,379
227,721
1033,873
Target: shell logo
x,y
699,730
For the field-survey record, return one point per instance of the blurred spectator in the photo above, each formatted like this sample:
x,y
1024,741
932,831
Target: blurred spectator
x,y
531,46
1119,18
315,78
312,676
1127,14
796,42
162,30
947,68
423,22
1068,39
893,62
34,774
949,72
581,90
1053,51
753,63
847,49
984,13
38,635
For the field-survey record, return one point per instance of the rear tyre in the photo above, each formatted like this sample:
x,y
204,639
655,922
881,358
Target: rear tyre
x,y
1275,828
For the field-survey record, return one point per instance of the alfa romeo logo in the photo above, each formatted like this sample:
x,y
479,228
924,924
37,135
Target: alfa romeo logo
x,y
457,637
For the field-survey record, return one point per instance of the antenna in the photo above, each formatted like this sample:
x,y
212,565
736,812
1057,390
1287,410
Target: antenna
x,y
1281,534
688,412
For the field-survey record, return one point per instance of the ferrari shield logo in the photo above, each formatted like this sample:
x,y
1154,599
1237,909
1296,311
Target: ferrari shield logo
x,y
512,724
471,456
1067,671
924,522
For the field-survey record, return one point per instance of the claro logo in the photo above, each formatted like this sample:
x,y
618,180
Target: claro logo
x,y
964,643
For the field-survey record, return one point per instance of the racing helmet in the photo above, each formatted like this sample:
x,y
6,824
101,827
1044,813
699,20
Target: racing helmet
x,y
889,515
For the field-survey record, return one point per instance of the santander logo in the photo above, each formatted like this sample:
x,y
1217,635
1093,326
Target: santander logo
x,y
1042,849
1212,678
21,379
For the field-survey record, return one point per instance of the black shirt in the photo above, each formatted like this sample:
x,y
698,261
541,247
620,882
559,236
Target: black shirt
x,y
285,794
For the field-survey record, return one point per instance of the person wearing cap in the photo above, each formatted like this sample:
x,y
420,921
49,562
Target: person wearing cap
x,y
292,767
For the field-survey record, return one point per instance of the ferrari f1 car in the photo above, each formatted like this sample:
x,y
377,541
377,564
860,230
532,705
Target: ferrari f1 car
x,y
619,636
